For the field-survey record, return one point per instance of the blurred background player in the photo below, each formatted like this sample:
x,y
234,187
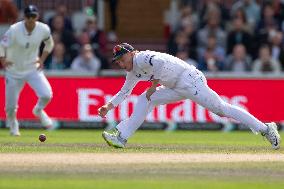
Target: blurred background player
x,y
178,81
19,49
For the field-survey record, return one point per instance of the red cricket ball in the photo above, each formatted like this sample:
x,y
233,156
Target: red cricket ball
x,y
42,137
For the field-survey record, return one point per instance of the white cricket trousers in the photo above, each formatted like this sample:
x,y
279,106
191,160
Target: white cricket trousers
x,y
13,87
191,85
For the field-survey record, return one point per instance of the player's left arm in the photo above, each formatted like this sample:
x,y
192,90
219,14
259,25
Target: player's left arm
x,y
152,63
48,46
152,89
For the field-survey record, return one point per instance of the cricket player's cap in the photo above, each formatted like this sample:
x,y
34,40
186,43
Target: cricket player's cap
x,y
31,10
121,49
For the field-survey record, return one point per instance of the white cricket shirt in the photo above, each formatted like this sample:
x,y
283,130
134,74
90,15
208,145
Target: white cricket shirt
x,y
149,65
22,48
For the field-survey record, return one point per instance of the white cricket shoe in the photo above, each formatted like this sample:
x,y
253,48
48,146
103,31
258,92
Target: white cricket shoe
x,y
44,118
14,128
113,138
272,135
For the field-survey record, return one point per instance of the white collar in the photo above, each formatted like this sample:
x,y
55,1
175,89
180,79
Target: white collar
x,y
25,29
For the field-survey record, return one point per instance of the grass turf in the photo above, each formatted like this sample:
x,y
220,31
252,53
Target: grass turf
x,y
143,141
198,175
166,183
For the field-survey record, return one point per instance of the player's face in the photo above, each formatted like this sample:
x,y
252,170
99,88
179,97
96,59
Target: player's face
x,y
31,19
125,62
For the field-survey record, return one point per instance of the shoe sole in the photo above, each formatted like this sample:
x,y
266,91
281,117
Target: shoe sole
x,y
109,143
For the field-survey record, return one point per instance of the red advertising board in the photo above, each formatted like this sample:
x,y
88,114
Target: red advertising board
x,y
79,98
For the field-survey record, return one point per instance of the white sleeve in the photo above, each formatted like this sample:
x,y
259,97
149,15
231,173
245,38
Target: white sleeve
x,y
6,41
129,84
48,41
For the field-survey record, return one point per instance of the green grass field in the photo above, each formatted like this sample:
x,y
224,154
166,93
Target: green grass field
x,y
64,173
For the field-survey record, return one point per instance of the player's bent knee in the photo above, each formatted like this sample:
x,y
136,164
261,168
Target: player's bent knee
x,y
47,96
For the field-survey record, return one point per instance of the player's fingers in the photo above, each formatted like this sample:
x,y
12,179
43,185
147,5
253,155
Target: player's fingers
x,y
101,112
102,115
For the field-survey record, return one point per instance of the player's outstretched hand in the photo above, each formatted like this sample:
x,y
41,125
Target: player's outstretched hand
x,y
102,111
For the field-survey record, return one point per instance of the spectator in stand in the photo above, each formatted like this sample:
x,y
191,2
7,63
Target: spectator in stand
x,y
84,38
61,10
58,59
277,50
184,38
86,61
268,23
98,40
184,55
238,61
66,37
213,5
265,63
267,27
211,58
212,28
188,15
263,34
190,30
113,21
56,38
251,8
238,35
279,7
180,42
240,13
8,12
268,18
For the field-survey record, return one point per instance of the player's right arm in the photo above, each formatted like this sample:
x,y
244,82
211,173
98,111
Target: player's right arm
x,y
5,42
129,84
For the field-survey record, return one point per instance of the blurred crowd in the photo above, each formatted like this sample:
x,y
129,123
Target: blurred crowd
x,y
247,37
83,50
79,51
243,37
